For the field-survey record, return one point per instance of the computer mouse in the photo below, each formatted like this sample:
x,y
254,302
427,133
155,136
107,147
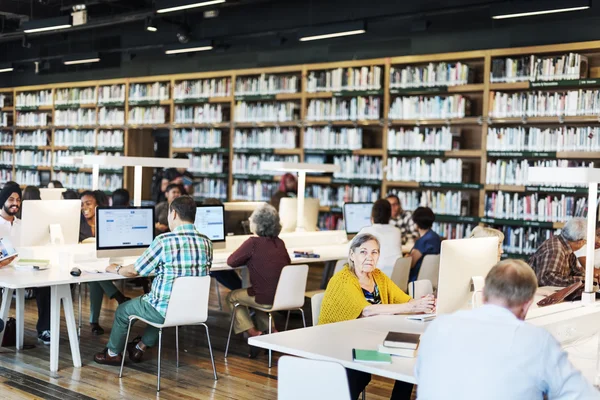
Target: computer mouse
x,y
75,271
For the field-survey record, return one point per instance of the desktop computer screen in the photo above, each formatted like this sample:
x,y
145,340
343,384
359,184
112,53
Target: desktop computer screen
x,y
40,218
357,216
122,232
210,221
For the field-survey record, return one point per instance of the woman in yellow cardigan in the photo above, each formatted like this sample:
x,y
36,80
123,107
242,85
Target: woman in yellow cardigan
x,y
362,290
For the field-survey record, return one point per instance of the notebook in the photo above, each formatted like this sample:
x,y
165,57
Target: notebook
x,y
402,340
409,353
371,356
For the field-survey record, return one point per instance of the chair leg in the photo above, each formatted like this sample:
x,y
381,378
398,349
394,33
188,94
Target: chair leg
x,y
235,306
270,327
364,394
303,319
177,343
159,351
125,348
212,359
287,319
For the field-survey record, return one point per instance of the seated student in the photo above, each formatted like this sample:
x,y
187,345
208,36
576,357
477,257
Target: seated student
x,y
428,242
120,198
388,235
31,193
182,252
87,229
402,219
55,185
361,290
288,187
491,353
483,232
173,191
265,256
70,195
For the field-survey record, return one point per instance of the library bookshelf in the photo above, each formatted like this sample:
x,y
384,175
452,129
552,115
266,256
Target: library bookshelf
x,y
433,133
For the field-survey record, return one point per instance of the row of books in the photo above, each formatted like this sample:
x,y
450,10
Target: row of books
x,y
80,116
3,100
111,154
265,138
534,207
5,176
250,164
358,167
3,119
524,240
515,172
267,112
6,158
207,163
418,138
429,107
25,177
33,138
447,203
450,230
560,138
75,96
267,84
330,222
432,74
202,88
331,138
349,79
111,94
82,180
253,190
211,188
424,170
336,109
197,138
33,158
75,137
32,119
110,138
6,138
34,99
58,156
147,115
539,68
111,116
545,104
336,196
149,91
202,114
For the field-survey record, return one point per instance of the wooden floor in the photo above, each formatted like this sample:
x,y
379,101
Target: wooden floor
x,y
25,374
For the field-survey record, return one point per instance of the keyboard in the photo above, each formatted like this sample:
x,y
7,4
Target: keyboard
x,y
421,317
220,258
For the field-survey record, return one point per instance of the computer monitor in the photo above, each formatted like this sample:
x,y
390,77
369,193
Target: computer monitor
x,y
357,216
52,194
236,216
210,221
288,214
40,220
123,232
460,261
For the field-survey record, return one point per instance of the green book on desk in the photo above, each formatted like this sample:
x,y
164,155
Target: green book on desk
x,y
371,356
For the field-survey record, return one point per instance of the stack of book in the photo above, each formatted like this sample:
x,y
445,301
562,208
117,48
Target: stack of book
x,y
400,344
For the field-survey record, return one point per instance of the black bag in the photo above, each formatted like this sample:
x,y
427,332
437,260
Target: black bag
x,y
10,333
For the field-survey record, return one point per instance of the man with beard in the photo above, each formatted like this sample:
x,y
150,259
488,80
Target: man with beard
x,y
10,227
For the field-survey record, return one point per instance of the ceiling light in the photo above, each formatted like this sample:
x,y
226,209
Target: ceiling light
x,y
150,25
6,67
183,34
50,24
517,10
165,6
189,47
82,59
333,31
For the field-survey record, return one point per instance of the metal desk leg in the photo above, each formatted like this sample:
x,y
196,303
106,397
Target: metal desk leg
x,y
79,313
327,273
6,300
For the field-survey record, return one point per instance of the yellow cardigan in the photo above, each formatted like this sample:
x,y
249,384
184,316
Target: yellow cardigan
x,y
344,299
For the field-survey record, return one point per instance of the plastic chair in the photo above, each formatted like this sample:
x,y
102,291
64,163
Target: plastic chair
x,y
288,296
401,272
189,290
315,306
430,269
301,378
418,289
338,267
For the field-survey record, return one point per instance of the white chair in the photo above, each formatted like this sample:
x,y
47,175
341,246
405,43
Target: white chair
x,y
401,272
288,296
418,289
430,269
301,378
315,306
338,267
187,291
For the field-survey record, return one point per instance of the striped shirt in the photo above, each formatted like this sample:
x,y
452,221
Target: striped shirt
x,y
183,252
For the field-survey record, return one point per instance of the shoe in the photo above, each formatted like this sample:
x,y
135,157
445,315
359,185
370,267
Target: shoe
x,y
44,337
97,330
135,354
104,358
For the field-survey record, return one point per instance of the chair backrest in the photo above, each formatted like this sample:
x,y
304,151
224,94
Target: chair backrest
x,y
188,304
401,272
315,305
418,289
301,378
291,287
430,269
339,265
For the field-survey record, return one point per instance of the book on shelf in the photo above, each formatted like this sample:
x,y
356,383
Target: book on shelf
x,y
201,114
429,107
345,79
336,196
266,84
34,99
202,88
534,207
328,138
430,75
515,172
421,139
75,96
265,138
580,102
452,230
358,167
195,138
147,115
534,139
156,91
539,68
266,112
113,94
357,108
419,169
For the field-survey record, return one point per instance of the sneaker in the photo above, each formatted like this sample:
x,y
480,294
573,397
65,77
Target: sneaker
x,y
44,337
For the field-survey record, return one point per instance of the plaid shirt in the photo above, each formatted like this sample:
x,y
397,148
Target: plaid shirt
x,y
183,252
408,228
555,263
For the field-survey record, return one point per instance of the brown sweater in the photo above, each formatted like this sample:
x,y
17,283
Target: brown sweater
x,y
265,257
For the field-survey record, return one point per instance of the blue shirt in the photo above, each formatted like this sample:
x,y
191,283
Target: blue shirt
x,y
429,243
488,353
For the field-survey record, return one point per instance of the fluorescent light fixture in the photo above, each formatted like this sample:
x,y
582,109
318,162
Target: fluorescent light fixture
x,y
6,68
333,31
82,59
166,6
527,9
189,47
151,28
50,24
150,25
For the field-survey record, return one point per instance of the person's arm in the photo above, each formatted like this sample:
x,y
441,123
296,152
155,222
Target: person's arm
x,y
163,185
145,265
241,255
556,270
424,305
415,255
7,261
126,270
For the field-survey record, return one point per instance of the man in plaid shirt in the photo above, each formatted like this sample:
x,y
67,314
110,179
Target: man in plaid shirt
x,y
403,220
182,252
555,263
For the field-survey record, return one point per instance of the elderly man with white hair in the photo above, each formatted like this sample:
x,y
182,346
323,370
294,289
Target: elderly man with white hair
x,y
555,262
492,353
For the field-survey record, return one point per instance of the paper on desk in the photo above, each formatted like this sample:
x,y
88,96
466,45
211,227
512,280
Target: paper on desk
x,y
93,266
